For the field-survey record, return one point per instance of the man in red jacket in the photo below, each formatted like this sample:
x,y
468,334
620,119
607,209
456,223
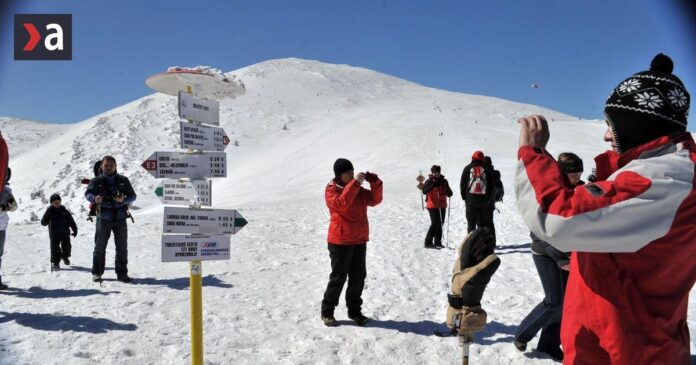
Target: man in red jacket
x,y
349,232
633,231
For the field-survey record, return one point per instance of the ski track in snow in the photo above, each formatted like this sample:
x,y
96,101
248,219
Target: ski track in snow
x,y
262,306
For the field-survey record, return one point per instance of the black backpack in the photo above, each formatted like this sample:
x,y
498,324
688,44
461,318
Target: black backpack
x,y
499,188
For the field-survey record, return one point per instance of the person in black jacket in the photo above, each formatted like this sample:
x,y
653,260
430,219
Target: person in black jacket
x,y
553,267
496,194
476,187
59,222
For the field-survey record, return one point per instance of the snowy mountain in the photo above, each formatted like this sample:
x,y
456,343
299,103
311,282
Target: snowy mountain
x,y
262,306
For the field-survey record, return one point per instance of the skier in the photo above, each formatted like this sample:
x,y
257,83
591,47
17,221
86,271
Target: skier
x,y
476,187
347,240
498,191
552,266
632,231
7,204
112,193
436,189
59,222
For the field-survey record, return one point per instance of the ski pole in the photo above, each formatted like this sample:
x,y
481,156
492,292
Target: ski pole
x,y
449,217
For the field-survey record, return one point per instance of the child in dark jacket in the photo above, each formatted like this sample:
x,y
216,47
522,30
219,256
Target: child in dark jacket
x,y
59,222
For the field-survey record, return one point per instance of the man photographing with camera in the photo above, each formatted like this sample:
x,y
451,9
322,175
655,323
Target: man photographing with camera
x,y
112,193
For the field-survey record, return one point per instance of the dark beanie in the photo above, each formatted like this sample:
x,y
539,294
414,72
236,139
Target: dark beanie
x,y
570,163
54,197
648,105
342,165
435,169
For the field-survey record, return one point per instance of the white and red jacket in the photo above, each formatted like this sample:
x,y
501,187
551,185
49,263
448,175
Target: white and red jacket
x,y
633,234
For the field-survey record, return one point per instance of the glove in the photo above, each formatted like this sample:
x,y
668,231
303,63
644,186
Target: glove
x,y
3,207
482,243
74,234
370,177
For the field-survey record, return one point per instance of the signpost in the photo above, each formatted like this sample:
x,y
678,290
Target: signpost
x,y
177,165
208,230
187,248
185,192
199,110
202,221
203,138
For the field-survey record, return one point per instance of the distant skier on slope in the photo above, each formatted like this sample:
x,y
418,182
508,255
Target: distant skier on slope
x,y
632,232
436,189
347,240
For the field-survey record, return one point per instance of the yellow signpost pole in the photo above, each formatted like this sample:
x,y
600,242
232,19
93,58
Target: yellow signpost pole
x,y
196,287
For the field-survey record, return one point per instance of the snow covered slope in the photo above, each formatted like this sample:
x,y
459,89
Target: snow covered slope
x,y
262,306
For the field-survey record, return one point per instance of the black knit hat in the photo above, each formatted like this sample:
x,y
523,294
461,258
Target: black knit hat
x,y
54,197
648,105
570,163
342,165
435,169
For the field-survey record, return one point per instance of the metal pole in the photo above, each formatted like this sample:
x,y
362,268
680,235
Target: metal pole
x,y
196,285
196,304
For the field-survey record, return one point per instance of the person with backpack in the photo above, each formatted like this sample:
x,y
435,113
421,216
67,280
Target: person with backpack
x,y
59,221
7,204
552,265
632,231
349,232
111,193
498,191
476,187
436,189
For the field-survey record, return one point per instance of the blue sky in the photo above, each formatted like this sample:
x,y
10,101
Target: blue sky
x,y
575,50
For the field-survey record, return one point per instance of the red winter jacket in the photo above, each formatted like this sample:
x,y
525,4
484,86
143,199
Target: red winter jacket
x,y
634,237
348,208
437,191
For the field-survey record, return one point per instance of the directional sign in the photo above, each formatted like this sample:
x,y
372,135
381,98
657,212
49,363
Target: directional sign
x,y
177,165
201,137
184,192
202,221
199,110
187,248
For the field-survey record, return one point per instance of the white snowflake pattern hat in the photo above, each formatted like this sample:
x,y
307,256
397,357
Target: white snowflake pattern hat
x,y
648,105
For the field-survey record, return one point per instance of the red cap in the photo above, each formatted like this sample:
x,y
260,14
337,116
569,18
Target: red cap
x,y
478,155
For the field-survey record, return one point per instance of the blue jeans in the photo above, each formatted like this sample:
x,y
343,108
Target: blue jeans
x,y
546,316
2,245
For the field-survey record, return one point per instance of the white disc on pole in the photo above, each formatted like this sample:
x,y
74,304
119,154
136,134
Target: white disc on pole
x,y
203,84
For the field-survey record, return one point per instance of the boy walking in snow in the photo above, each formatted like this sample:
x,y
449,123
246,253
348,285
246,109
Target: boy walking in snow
x,y
349,229
59,222
7,204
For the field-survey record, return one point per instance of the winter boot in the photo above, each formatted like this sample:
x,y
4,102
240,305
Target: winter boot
x,y
359,319
66,261
55,267
2,286
123,278
520,345
329,321
96,278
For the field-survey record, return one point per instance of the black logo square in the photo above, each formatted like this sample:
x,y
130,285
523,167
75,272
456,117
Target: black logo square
x,y
43,37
